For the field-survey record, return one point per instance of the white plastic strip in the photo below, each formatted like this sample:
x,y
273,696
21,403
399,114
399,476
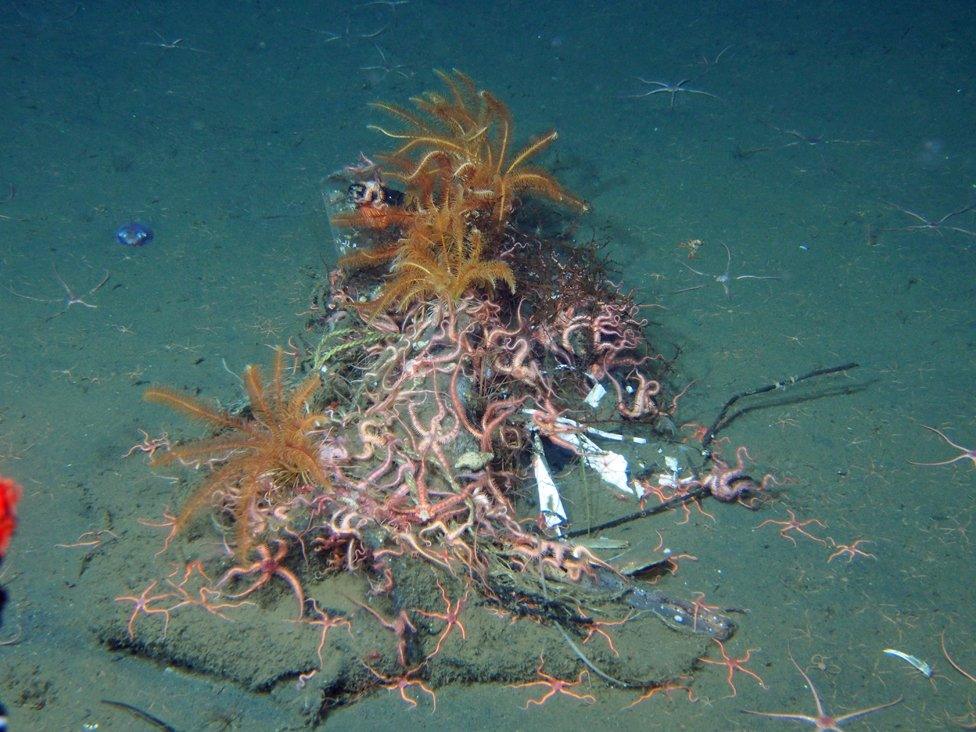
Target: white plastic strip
x,y
550,504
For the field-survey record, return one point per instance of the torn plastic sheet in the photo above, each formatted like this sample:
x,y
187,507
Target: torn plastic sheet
x,y
610,466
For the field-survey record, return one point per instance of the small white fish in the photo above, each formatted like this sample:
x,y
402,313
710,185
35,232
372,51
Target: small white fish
x,y
920,665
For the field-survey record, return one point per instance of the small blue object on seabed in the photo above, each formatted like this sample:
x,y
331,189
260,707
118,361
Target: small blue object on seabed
x,y
134,234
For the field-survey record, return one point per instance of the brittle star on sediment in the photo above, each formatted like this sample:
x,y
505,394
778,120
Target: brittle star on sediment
x,y
822,721
964,454
387,66
348,35
70,299
801,138
933,224
176,43
671,88
725,278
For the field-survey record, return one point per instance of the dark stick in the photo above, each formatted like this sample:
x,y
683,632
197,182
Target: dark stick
x,y
693,494
719,422
140,714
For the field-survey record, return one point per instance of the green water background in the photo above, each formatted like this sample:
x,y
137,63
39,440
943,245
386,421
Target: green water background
x,y
216,123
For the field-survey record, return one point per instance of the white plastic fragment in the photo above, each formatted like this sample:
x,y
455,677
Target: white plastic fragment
x,y
921,666
596,394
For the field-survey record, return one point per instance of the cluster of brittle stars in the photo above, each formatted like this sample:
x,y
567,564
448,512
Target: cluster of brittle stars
x,y
822,720
733,665
404,629
268,566
850,551
147,603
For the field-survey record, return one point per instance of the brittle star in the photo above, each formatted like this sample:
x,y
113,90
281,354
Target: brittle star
x,y
387,67
965,454
709,64
71,299
822,721
347,35
175,43
724,278
805,139
671,88
934,224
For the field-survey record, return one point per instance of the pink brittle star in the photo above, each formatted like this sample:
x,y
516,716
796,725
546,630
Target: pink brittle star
x,y
733,665
556,686
964,454
400,626
793,525
402,683
150,444
665,688
822,721
141,605
729,482
849,550
327,622
450,616
268,566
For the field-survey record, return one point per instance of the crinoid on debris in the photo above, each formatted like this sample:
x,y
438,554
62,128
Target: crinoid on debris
x,y
440,258
251,457
466,137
